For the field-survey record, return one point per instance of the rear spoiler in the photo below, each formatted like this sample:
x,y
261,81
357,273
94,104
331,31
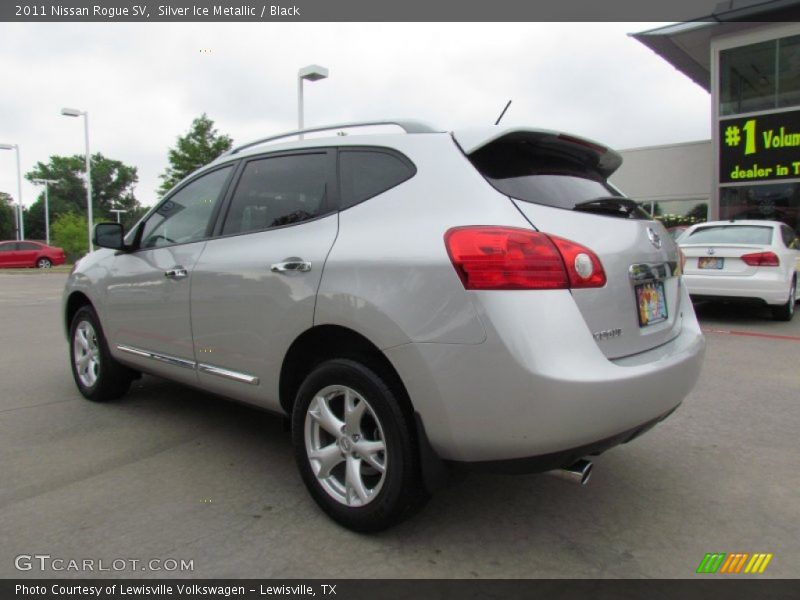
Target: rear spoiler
x,y
600,158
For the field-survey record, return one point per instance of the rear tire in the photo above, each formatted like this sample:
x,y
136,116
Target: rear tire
x,y
43,263
355,447
97,374
785,312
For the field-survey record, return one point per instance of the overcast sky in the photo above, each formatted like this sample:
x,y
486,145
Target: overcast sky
x,y
144,83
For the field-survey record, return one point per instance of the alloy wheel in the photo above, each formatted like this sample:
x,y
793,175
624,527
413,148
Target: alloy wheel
x,y
345,445
86,352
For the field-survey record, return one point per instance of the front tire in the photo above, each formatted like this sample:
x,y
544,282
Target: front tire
x,y
97,374
354,446
785,312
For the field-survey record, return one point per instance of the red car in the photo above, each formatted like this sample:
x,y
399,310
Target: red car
x,y
30,254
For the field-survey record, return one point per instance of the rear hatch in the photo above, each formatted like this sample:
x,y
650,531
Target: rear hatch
x,y
717,250
559,183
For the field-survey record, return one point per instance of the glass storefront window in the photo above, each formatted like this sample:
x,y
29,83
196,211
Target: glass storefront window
x,y
760,76
789,71
678,213
773,202
747,78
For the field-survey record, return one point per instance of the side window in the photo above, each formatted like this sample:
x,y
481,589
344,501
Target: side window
x,y
7,247
27,246
277,191
184,216
367,173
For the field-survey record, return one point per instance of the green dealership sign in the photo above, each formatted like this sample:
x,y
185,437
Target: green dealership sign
x,y
761,148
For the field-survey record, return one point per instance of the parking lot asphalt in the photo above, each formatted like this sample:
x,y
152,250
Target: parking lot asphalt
x,y
172,473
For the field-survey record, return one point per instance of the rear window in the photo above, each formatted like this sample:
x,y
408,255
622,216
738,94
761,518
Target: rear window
x,y
730,234
528,172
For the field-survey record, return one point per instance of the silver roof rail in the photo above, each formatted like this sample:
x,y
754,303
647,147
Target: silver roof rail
x,y
408,125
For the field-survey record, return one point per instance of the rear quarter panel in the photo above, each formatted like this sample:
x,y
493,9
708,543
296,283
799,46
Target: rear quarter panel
x,y
388,275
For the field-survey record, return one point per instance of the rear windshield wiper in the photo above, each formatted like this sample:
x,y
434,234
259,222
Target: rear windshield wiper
x,y
614,206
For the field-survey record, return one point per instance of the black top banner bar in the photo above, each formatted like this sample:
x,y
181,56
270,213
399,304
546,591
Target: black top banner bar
x,y
362,10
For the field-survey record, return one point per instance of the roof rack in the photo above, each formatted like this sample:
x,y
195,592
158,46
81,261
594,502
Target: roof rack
x,y
408,125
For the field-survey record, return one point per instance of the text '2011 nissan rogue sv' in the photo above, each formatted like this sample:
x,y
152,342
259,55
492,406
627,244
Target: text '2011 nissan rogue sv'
x,y
413,301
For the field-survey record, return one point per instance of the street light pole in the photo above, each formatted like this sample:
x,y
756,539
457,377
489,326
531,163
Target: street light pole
x,y
300,104
46,183
310,73
20,215
74,112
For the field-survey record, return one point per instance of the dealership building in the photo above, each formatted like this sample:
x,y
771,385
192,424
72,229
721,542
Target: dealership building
x,y
747,56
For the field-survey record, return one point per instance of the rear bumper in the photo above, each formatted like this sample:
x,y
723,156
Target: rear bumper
x,y
561,459
768,287
541,386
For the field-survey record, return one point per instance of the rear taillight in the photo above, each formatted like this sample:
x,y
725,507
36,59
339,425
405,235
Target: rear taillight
x,y
507,258
761,259
683,260
583,266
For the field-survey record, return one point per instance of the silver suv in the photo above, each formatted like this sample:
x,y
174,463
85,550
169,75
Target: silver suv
x,y
414,301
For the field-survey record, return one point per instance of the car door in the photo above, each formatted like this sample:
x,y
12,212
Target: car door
x,y
254,286
27,253
7,254
147,318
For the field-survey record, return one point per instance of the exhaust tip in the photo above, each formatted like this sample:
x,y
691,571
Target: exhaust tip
x,y
586,471
579,472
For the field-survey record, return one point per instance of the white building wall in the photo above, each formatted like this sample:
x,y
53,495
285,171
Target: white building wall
x,y
671,172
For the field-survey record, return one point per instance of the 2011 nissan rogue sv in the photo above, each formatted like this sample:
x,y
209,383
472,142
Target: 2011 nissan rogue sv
x,y
412,301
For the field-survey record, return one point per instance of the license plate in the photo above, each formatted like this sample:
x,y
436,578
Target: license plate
x,y
652,303
710,262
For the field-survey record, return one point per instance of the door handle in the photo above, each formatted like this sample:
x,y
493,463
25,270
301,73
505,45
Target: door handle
x,y
291,265
176,272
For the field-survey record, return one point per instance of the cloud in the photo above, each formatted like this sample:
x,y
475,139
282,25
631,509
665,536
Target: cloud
x,y
143,83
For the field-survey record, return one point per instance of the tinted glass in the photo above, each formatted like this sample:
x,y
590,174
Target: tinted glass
x,y
788,236
364,174
760,76
528,173
772,202
747,78
27,246
184,216
730,234
277,191
7,247
788,91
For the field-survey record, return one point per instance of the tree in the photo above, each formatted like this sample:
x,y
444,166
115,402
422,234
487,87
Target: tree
x,y
199,147
8,230
699,213
112,187
69,232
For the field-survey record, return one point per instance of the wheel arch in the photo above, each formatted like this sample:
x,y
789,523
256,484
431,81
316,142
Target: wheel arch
x,y
75,302
323,342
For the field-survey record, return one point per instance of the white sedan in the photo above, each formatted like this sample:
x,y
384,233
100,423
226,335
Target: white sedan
x,y
743,260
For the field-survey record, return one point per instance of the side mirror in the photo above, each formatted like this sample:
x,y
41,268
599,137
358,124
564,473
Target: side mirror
x,y
109,235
